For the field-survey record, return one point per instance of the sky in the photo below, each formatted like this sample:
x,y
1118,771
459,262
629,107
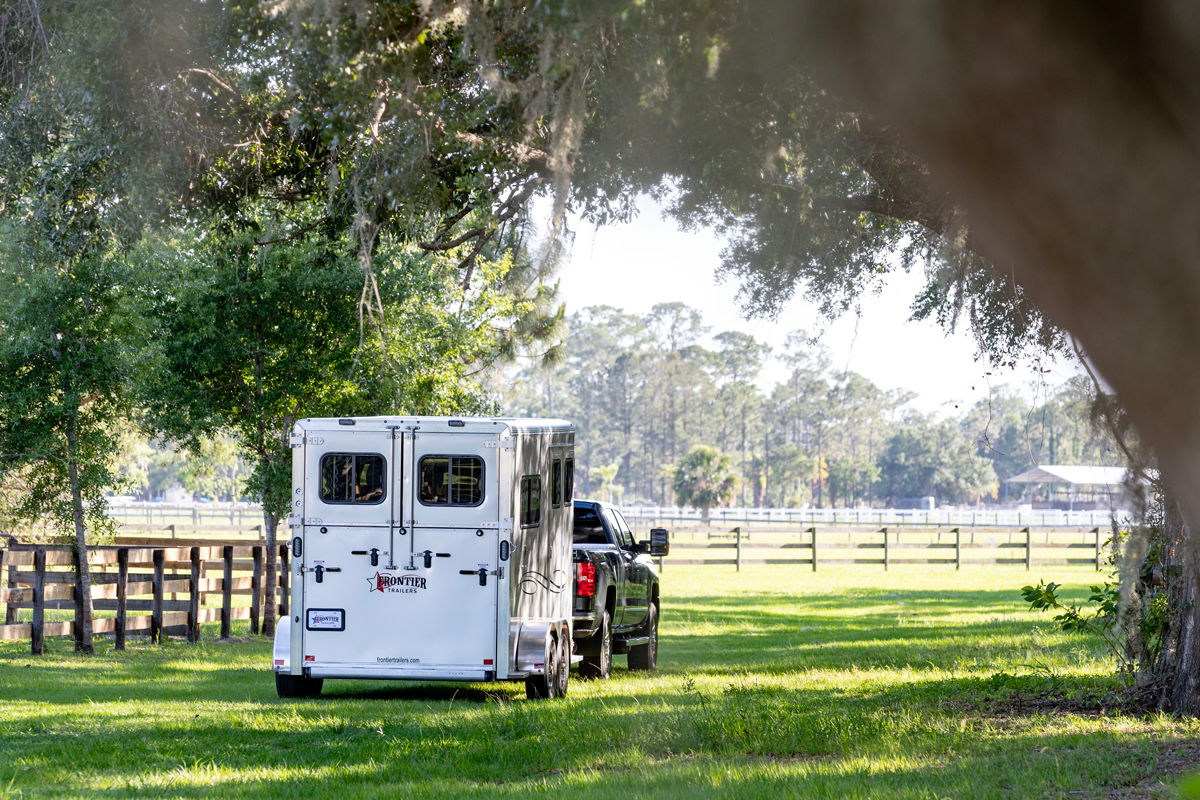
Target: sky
x,y
648,261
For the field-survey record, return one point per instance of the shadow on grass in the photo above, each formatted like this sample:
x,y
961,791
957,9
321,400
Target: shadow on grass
x,y
751,741
194,721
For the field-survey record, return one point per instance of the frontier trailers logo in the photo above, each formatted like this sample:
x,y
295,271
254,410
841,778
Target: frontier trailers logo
x,y
396,584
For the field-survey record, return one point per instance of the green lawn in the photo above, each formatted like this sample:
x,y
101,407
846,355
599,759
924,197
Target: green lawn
x,y
774,682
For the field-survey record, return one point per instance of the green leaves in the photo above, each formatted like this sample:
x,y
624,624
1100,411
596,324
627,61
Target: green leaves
x,y
1102,621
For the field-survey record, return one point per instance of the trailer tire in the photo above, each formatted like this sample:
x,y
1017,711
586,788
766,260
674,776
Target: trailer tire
x,y
563,675
297,685
598,665
645,656
545,686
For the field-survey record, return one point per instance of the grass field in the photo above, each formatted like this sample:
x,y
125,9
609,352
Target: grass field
x,y
773,682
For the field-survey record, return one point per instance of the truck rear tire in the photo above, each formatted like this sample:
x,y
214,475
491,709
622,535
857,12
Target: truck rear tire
x,y
297,685
598,665
645,656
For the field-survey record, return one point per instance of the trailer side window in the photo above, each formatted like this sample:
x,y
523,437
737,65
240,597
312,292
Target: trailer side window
x,y
556,484
569,480
531,501
353,478
451,480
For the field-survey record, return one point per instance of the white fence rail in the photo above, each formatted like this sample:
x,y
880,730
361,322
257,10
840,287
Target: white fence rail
x,y
161,514
891,517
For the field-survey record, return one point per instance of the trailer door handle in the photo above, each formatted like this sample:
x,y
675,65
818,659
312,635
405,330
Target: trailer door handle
x,y
321,569
374,553
482,572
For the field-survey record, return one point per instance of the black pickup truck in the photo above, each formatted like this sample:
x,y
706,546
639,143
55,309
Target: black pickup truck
x,y
616,590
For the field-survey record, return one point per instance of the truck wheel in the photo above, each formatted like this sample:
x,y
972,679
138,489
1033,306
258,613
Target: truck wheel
x,y
297,685
645,656
599,665
545,686
563,676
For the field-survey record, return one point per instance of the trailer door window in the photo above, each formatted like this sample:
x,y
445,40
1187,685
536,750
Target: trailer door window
x,y
569,480
556,484
451,480
531,501
353,478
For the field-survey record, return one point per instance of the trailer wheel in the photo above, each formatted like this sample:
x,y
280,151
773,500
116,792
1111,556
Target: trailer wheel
x,y
599,664
545,686
297,685
563,675
645,656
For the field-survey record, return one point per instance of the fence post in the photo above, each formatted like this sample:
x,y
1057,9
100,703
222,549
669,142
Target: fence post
x,y
256,588
957,550
1028,549
813,531
122,598
738,531
39,601
885,549
1097,532
156,604
285,572
194,597
172,527
10,612
226,590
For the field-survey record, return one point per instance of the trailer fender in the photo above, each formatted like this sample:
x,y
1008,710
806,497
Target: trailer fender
x,y
534,643
282,658
533,648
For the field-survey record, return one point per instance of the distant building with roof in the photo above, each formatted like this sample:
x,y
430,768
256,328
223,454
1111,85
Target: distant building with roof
x,y
1075,488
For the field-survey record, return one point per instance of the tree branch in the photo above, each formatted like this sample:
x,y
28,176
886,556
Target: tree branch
x,y
293,235
435,246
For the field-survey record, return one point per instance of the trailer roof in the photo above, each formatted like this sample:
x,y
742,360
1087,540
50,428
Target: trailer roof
x,y
472,424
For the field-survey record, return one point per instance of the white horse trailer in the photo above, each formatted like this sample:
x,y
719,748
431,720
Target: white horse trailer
x,y
429,549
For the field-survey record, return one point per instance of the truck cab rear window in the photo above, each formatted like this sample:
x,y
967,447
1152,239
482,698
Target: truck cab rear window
x,y
353,478
588,527
451,480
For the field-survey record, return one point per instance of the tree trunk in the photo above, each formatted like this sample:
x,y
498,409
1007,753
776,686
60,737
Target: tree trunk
x,y
1067,133
1177,671
270,522
83,633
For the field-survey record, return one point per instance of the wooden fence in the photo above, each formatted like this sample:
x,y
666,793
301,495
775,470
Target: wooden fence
x,y
844,546
41,578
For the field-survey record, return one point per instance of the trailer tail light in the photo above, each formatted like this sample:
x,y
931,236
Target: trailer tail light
x,y
585,583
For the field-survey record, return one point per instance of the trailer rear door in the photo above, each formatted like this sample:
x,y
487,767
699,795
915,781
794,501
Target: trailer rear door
x,y
353,483
455,549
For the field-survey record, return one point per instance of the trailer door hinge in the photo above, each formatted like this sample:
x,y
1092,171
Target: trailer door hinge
x,y
506,525
507,444
296,440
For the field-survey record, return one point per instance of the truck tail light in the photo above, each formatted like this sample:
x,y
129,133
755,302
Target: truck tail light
x,y
585,579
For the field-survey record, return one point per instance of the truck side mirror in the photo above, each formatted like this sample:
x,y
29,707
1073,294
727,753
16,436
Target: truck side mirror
x,y
660,542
